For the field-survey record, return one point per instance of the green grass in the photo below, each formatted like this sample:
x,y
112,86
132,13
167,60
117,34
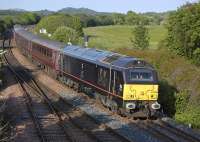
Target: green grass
x,y
115,37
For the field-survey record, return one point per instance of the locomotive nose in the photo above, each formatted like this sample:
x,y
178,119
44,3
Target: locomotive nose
x,y
140,92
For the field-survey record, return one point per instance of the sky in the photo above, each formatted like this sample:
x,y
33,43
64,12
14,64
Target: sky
x,y
121,6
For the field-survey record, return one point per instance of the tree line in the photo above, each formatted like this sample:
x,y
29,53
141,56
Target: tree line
x,y
25,18
65,28
130,18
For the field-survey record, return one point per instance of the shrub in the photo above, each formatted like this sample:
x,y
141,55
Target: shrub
x,y
140,39
66,34
183,30
167,98
52,22
190,116
182,100
196,57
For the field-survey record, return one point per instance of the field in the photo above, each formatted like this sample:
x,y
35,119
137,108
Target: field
x,y
115,37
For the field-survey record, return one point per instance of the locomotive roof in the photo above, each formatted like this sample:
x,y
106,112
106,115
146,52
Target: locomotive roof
x,y
105,58
36,39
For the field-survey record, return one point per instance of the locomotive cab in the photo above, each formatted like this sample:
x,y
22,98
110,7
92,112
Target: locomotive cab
x,y
140,89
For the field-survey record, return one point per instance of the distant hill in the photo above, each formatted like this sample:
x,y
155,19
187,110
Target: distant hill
x,y
70,10
44,12
73,11
11,12
67,10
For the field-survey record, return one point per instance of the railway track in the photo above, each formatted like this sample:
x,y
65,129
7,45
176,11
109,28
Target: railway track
x,y
184,136
64,126
165,132
84,121
48,124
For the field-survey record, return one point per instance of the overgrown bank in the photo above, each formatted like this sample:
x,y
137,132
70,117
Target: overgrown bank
x,y
179,84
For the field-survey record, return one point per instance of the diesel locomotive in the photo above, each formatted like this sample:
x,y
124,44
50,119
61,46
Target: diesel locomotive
x,y
124,84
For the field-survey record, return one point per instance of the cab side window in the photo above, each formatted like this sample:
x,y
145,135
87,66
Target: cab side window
x,y
119,83
103,77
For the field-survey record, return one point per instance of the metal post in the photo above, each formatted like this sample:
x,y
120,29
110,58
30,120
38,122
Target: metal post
x,y
114,81
110,79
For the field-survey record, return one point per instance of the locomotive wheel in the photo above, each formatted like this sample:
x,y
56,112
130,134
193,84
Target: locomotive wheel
x,y
114,109
80,88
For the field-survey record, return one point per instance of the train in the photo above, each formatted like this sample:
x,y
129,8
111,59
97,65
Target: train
x,y
124,84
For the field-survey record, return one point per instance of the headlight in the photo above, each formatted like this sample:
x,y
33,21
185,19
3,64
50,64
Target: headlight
x,y
155,105
130,106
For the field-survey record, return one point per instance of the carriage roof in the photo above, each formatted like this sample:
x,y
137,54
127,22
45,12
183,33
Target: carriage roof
x,y
36,39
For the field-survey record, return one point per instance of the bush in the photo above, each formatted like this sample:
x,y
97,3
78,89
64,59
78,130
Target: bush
x,y
190,116
196,56
2,27
183,30
66,34
8,21
182,100
52,22
77,26
27,19
167,98
140,38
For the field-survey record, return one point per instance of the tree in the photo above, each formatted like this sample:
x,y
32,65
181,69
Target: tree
x,y
105,20
8,21
183,31
2,27
66,34
76,25
52,22
27,18
118,19
140,38
132,18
